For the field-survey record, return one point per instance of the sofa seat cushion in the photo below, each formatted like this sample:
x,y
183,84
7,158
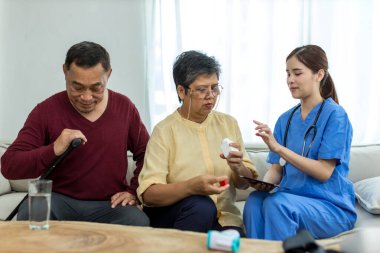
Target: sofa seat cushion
x,y
8,202
5,187
366,219
367,192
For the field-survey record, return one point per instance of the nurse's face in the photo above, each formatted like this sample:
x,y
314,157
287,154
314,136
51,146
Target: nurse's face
x,y
302,82
201,97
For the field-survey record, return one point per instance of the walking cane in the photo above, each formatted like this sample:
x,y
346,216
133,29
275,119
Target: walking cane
x,y
74,143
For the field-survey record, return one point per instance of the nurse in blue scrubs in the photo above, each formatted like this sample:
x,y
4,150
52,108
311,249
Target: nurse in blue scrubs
x,y
309,153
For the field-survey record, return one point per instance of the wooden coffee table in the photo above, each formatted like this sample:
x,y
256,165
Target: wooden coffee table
x,y
69,236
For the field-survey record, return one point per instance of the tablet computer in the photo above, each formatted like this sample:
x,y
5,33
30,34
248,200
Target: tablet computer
x,y
256,181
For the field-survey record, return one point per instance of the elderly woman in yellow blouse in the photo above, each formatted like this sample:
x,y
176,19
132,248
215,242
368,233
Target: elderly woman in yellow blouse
x,y
183,167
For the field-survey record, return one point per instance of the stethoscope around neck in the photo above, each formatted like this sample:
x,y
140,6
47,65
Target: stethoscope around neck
x,y
311,128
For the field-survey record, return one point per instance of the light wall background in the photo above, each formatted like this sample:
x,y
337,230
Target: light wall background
x,y
250,38
35,36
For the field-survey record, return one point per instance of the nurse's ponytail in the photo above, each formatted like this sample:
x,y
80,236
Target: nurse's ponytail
x,y
314,57
327,88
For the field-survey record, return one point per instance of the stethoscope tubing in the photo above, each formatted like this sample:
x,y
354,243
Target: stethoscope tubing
x,y
313,126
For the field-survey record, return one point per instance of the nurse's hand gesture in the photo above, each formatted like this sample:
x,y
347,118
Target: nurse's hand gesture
x,y
266,134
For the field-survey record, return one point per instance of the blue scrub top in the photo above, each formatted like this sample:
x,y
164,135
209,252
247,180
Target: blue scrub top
x,y
332,141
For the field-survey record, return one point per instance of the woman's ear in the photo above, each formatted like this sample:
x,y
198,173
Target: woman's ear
x,y
181,92
320,75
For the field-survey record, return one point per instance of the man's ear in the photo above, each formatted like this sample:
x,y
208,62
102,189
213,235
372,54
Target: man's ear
x,y
181,92
64,68
109,73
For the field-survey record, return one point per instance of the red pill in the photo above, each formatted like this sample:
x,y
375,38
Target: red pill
x,y
223,182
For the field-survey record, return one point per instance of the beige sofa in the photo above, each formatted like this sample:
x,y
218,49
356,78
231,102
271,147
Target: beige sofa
x,y
364,164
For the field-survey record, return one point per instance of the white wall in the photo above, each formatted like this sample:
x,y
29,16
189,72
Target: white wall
x,y
35,36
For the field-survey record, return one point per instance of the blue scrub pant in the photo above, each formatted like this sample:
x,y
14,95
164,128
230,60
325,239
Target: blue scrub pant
x,y
280,215
194,213
67,208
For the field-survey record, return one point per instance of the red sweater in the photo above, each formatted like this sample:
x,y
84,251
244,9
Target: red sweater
x,y
94,171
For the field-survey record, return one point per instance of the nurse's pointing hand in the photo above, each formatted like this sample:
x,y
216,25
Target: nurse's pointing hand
x,y
266,134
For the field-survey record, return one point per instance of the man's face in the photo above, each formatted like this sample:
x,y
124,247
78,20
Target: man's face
x,y
85,86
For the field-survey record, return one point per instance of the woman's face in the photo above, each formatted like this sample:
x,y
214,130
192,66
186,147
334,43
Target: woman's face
x,y
201,97
302,82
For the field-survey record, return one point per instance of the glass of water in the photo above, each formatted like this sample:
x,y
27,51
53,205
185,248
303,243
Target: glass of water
x,y
39,203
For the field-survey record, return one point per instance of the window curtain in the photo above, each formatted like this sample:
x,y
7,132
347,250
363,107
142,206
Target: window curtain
x,y
251,39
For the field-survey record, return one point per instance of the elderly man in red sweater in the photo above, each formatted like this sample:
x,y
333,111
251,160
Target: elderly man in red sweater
x,y
90,184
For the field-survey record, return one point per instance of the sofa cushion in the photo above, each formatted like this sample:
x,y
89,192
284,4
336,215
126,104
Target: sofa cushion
x,y
19,185
364,162
367,192
258,157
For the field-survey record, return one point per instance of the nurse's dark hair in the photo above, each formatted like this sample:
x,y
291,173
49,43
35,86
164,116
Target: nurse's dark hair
x,y
191,64
314,58
87,54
